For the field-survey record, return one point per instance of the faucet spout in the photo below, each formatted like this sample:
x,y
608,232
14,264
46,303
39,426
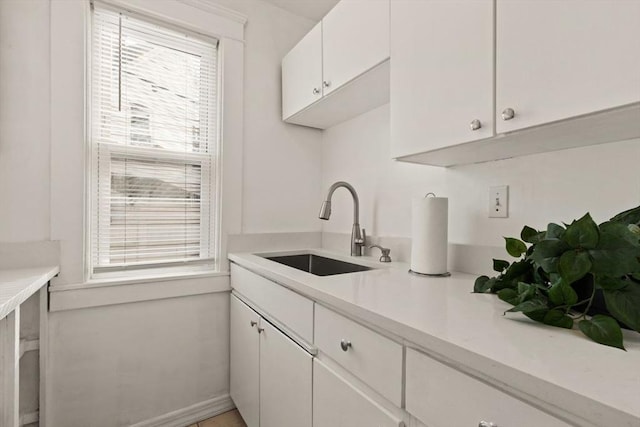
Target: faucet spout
x,y
357,237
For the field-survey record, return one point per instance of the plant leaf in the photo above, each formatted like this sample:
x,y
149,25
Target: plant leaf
x,y
517,270
558,318
547,253
611,283
525,292
515,247
582,233
500,265
624,304
631,216
603,330
617,252
481,284
508,295
529,306
561,293
531,235
573,266
554,231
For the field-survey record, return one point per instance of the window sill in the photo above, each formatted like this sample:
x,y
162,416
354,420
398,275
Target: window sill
x,y
139,278
102,292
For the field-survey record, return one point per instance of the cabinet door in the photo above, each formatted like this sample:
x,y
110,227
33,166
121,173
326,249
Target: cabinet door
x,y
355,38
441,396
441,73
244,386
336,403
302,73
561,58
285,380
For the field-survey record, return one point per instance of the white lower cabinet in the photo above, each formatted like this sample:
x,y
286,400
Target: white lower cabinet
x,y
245,361
440,396
270,374
336,403
285,381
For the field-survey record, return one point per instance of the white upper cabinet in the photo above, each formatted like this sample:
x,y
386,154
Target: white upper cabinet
x,y
562,74
302,73
562,58
355,38
442,73
341,68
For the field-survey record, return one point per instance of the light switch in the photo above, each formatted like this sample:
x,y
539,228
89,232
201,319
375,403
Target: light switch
x,y
499,201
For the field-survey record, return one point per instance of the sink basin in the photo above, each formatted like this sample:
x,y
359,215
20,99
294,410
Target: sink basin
x,y
318,265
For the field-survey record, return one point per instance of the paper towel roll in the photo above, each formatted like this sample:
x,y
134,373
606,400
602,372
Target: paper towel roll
x,y
429,243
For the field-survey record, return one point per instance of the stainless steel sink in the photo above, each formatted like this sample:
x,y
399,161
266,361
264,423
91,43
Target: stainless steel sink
x,y
318,265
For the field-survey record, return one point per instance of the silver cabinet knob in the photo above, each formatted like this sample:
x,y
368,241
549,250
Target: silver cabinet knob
x,y
260,330
253,323
487,424
316,91
326,83
475,124
508,114
344,345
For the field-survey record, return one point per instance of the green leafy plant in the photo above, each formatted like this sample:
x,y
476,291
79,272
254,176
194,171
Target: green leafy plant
x,y
566,270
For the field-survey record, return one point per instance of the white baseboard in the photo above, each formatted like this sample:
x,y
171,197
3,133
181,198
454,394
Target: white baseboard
x,y
191,414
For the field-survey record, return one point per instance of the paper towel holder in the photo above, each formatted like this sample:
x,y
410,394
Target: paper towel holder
x,y
447,274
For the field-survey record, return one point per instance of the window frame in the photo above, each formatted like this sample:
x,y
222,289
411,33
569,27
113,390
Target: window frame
x,y
212,183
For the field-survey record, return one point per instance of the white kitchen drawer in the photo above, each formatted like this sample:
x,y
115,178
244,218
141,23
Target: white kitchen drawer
x,y
285,306
337,403
374,359
441,396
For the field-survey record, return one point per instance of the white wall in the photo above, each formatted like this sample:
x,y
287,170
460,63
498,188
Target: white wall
x,y
121,364
559,186
281,161
357,151
24,120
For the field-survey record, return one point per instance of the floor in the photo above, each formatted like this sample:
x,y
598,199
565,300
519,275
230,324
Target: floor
x,y
228,419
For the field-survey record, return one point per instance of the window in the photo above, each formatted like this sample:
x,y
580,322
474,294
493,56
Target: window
x,y
154,146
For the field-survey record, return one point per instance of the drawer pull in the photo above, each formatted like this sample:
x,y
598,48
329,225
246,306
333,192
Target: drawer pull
x,y
344,345
487,424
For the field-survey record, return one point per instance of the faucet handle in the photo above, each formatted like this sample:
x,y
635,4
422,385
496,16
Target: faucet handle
x,y
361,242
385,253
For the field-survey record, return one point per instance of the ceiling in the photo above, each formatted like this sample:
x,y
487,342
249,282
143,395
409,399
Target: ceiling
x,y
311,9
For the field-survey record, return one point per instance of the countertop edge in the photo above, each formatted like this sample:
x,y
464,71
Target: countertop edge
x,y
33,279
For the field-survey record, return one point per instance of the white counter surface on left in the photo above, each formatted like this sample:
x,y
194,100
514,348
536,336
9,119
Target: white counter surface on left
x,y
17,285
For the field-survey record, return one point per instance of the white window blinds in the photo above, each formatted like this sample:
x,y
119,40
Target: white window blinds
x,y
154,145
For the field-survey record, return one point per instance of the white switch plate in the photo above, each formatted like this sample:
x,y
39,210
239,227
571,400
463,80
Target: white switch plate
x,y
499,201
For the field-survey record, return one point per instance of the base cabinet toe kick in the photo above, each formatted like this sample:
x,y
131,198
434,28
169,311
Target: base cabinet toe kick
x,y
298,362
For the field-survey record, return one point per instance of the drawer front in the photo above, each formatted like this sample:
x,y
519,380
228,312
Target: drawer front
x,y
336,403
292,310
374,359
441,396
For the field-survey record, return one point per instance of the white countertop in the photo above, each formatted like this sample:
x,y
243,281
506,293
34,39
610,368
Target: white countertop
x,y
550,366
17,285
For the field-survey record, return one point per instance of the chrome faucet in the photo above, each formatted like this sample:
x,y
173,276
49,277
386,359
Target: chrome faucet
x,y
357,237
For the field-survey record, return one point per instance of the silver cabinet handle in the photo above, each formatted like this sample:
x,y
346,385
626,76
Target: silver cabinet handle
x,y
487,424
253,323
260,330
316,91
475,124
508,114
326,83
344,345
